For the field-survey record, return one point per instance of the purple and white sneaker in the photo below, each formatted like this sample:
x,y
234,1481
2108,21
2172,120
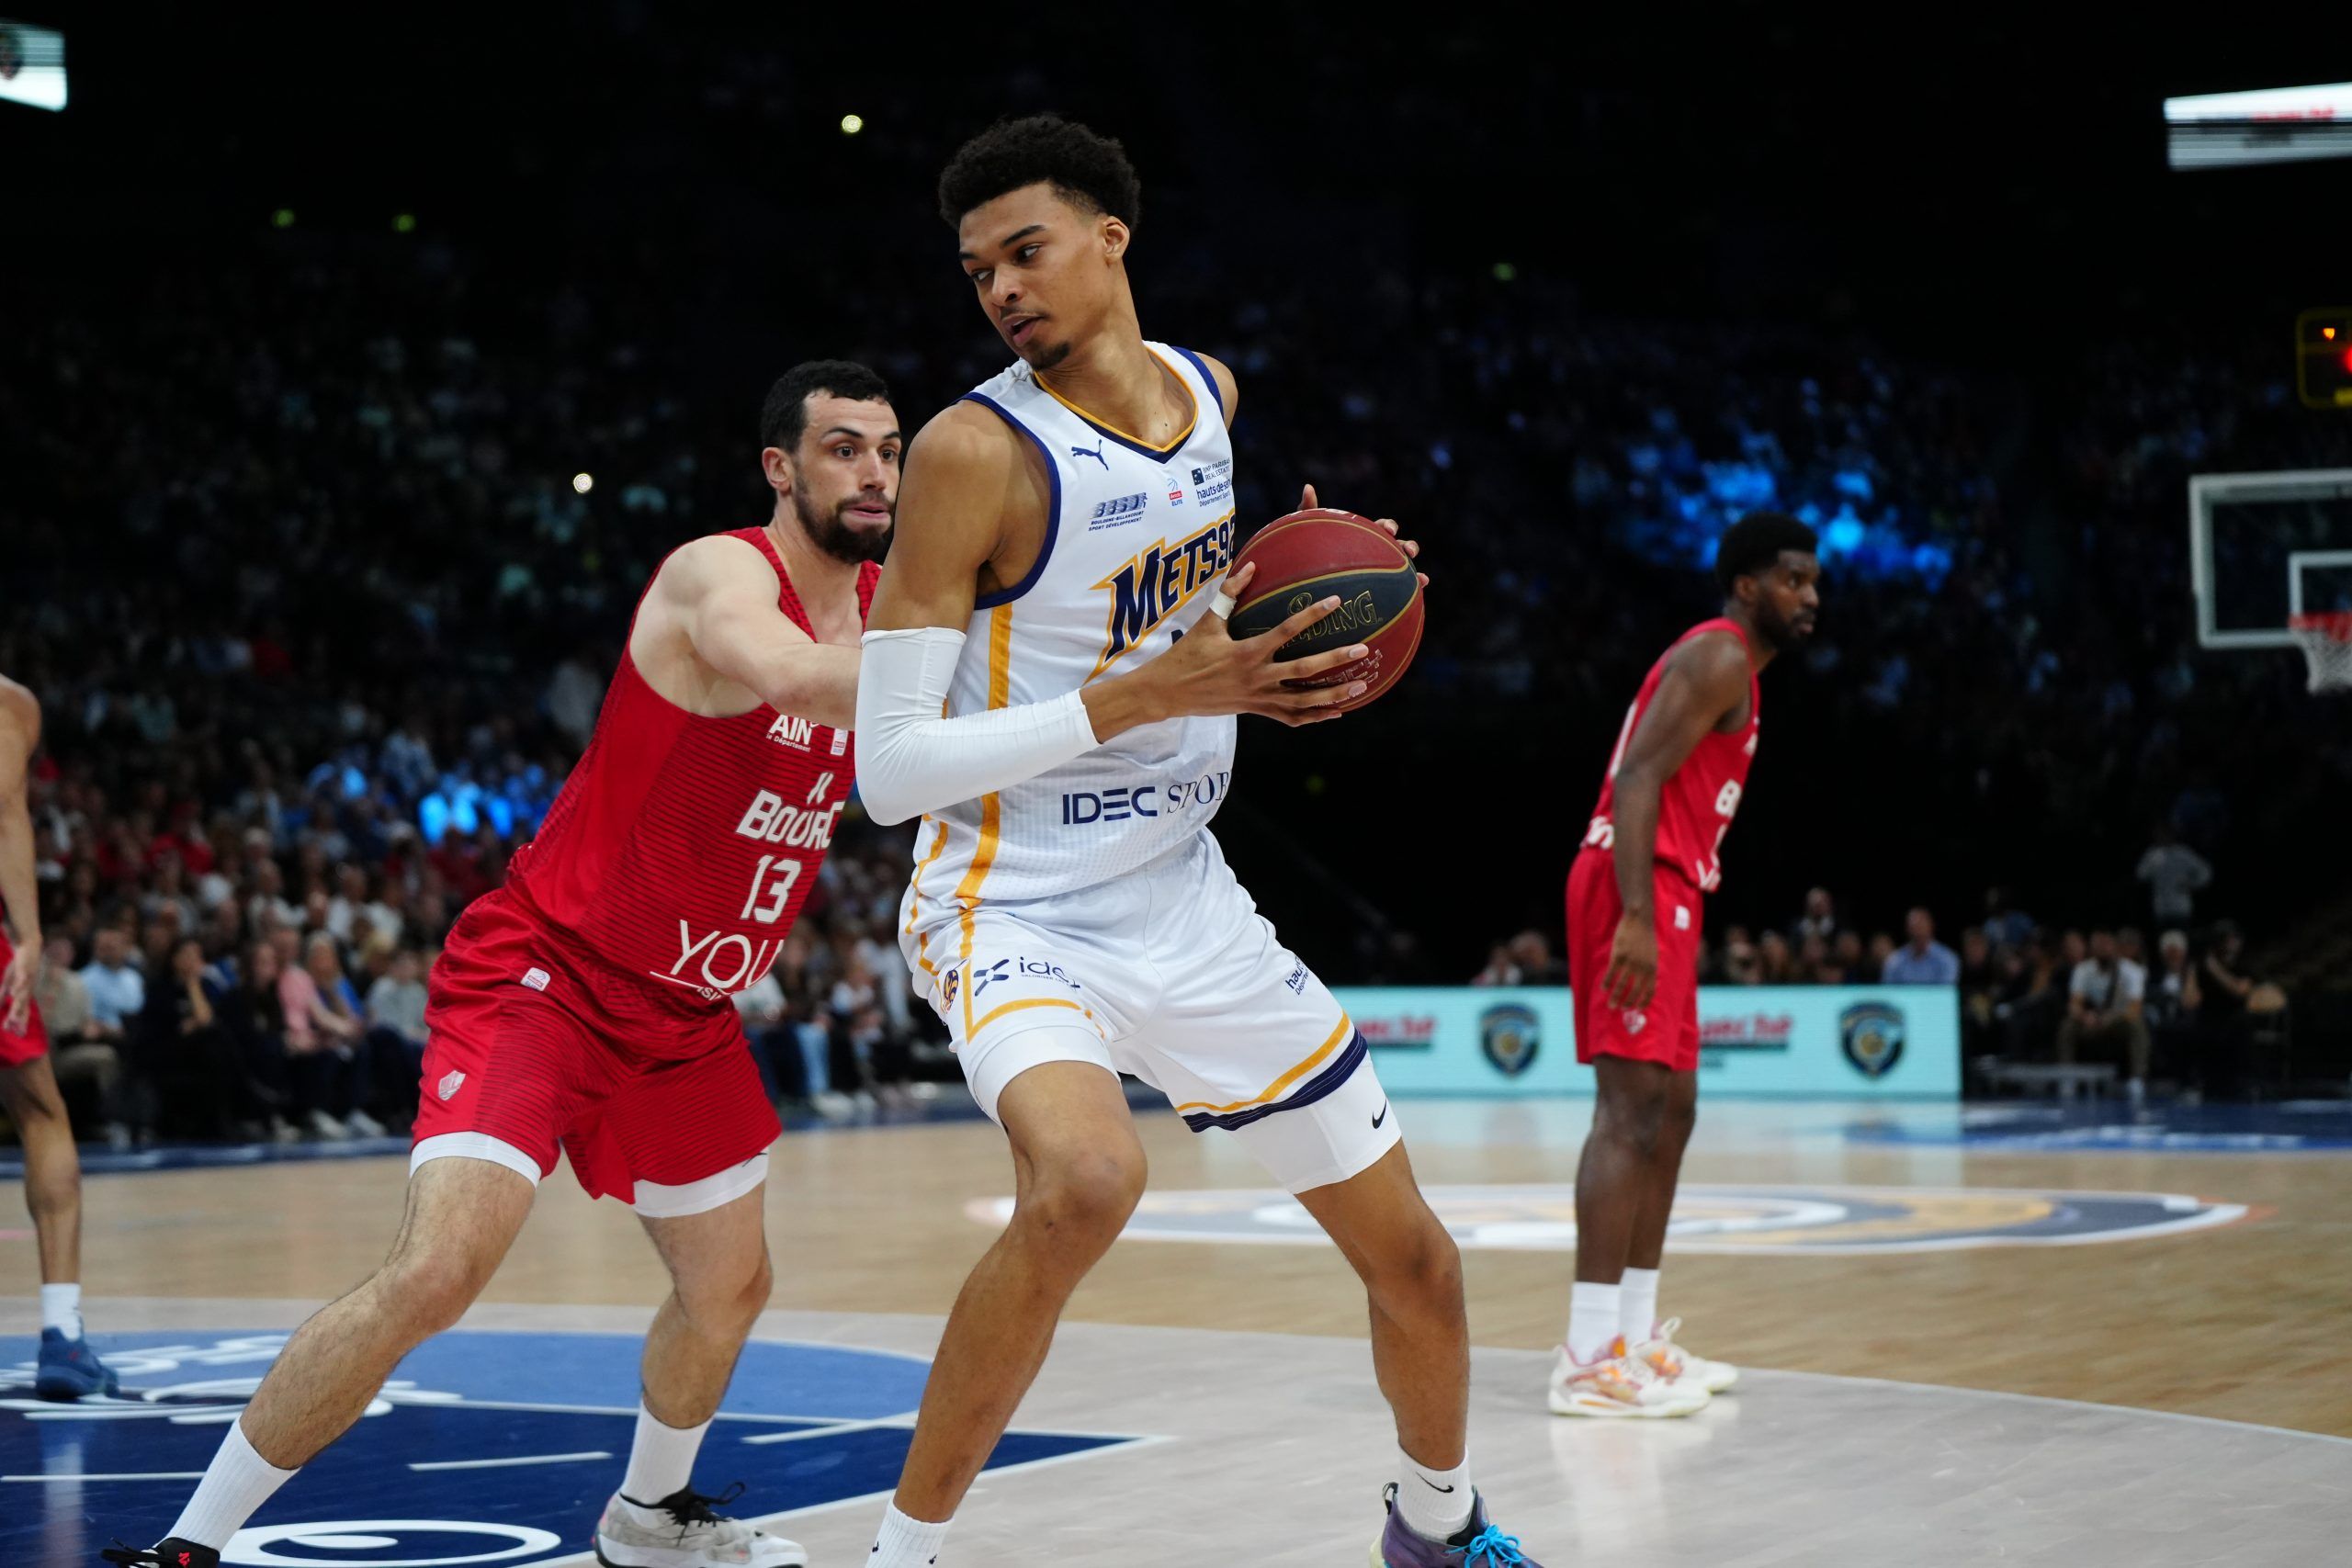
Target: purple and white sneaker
x,y
1479,1545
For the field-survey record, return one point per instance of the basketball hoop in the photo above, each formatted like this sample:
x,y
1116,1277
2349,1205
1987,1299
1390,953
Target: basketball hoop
x,y
2326,641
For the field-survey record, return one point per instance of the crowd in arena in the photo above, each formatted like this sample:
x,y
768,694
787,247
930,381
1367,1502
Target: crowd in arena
x,y
355,614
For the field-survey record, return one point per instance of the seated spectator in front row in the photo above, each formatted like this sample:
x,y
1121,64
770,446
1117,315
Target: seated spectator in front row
x,y
190,1070
2173,999
1921,960
77,1053
117,992
2104,1007
395,1039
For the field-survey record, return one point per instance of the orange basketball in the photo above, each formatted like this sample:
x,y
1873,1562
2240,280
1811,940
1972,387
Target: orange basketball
x,y
1314,555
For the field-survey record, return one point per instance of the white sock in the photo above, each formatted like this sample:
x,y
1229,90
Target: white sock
x,y
1593,1315
1435,1503
662,1459
905,1542
60,1308
1638,1315
235,1486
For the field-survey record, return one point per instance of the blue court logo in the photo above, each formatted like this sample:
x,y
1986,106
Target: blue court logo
x,y
483,1448
1509,1035
1871,1034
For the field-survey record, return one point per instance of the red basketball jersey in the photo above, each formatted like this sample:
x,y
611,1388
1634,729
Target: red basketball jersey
x,y
680,851
1696,805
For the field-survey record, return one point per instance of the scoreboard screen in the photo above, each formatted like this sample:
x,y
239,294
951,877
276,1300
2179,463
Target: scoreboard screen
x,y
2278,124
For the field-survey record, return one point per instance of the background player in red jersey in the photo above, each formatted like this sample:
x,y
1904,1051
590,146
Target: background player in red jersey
x,y
68,1368
1635,897
585,1003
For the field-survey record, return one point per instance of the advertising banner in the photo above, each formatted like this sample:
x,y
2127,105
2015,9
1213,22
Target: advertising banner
x,y
1884,1042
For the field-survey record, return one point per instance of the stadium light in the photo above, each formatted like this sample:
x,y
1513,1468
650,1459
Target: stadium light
x,y
852,124
583,483
405,223
282,219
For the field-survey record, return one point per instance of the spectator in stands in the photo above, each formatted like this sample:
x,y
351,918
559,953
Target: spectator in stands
x,y
396,1018
2174,873
1921,960
2004,925
1848,956
2174,1000
87,1066
253,1013
320,1073
1775,964
2031,1001
1980,979
1741,964
1820,918
760,1008
2105,1007
362,1073
1532,950
1814,965
856,1017
2223,990
2071,949
189,1069
1499,969
117,990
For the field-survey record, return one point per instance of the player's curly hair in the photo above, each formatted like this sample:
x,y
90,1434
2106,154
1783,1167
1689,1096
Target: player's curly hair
x,y
1755,542
1088,170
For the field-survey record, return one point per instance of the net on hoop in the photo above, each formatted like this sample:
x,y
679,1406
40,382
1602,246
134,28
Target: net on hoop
x,y
2326,641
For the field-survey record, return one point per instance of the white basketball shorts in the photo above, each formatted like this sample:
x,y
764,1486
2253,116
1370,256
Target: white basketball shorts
x,y
1171,975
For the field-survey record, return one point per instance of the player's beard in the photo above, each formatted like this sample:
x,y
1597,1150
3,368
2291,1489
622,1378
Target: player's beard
x,y
830,532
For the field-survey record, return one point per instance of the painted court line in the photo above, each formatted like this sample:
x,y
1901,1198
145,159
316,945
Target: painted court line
x,y
507,1464
151,1475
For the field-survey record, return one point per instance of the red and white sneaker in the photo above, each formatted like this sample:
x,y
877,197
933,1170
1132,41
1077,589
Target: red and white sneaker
x,y
1677,1366
1619,1386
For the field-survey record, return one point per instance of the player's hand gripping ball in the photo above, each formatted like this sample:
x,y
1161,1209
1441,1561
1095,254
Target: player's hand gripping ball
x,y
1317,553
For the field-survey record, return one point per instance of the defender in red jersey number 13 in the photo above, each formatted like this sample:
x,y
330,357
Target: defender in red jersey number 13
x,y
1635,911
585,1005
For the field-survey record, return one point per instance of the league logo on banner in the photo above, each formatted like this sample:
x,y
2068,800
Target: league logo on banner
x,y
1871,1034
1509,1035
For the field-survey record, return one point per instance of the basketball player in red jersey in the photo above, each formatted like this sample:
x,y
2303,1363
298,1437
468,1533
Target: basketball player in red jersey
x,y
1634,896
585,1003
68,1368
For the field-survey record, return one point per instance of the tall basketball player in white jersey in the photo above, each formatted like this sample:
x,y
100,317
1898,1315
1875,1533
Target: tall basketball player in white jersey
x,y
1044,682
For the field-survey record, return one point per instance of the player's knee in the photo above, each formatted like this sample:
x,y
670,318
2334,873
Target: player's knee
x,y
423,1296
1636,1120
1429,1265
727,1298
1081,1203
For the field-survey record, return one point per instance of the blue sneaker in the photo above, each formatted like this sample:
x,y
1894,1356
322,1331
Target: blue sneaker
x,y
1479,1545
69,1369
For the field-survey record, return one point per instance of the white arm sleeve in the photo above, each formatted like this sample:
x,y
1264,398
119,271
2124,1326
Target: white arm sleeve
x,y
910,760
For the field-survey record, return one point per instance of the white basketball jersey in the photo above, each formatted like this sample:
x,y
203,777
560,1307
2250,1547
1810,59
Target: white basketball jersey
x,y
1138,539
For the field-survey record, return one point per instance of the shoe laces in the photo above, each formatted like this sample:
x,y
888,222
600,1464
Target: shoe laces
x,y
1492,1547
691,1508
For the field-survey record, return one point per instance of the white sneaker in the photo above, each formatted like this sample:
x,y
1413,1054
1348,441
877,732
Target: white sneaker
x,y
328,1128
363,1125
1675,1366
1618,1385
680,1531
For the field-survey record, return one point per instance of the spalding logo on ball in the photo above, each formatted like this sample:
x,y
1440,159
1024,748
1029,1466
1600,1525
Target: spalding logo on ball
x,y
1321,554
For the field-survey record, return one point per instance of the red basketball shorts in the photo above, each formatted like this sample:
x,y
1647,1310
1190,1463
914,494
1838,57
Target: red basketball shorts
x,y
1666,1031
18,1050
517,1065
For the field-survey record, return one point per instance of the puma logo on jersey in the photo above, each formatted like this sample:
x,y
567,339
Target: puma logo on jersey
x,y
1158,581
1096,455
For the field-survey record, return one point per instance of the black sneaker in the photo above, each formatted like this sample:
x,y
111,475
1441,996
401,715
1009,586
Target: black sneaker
x,y
169,1552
